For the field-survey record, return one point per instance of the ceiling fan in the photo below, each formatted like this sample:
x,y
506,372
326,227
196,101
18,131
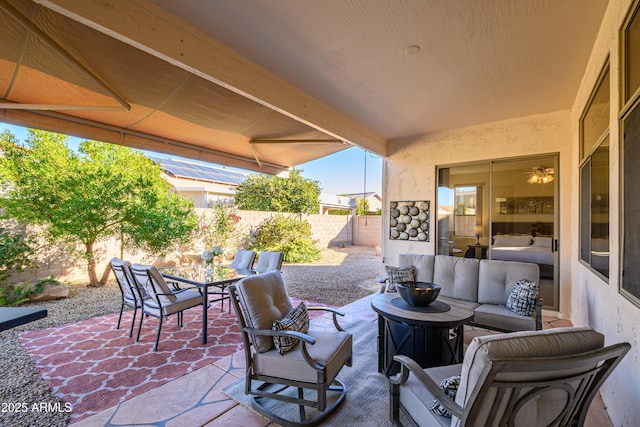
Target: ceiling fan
x,y
540,175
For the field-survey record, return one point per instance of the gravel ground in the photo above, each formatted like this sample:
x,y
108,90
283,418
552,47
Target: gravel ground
x,y
342,275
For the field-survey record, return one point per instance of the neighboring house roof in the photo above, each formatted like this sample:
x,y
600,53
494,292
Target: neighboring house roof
x,y
181,174
331,201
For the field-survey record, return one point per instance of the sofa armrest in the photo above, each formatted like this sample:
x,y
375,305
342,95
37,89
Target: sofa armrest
x,y
383,284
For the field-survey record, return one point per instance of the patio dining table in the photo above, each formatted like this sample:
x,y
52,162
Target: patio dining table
x,y
204,277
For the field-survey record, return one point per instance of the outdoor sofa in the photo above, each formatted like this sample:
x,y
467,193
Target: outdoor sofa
x,y
485,285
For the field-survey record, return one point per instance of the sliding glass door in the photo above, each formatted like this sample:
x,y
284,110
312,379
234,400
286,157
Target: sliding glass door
x,y
503,210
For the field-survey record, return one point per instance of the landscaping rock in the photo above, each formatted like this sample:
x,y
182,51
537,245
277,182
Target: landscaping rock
x,y
51,292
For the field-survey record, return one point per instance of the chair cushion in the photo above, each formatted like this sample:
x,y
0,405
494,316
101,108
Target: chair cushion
x,y
523,297
548,343
416,398
120,269
269,261
399,274
183,300
264,299
332,349
296,320
243,259
161,285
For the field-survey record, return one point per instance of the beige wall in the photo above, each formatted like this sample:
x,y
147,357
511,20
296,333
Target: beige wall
x,y
409,174
327,230
595,302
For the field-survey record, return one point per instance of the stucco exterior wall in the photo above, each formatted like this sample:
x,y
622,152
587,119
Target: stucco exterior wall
x,y
410,173
327,231
594,301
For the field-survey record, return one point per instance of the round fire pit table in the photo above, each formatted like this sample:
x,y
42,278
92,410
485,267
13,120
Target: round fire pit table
x,y
431,335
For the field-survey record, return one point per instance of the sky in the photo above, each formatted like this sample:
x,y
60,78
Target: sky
x,y
339,173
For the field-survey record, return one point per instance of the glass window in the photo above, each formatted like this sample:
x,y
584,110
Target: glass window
x,y
594,210
595,119
468,211
594,178
631,41
630,283
630,162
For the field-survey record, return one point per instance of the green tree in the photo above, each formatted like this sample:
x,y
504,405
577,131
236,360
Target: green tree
x,y
103,190
275,194
362,207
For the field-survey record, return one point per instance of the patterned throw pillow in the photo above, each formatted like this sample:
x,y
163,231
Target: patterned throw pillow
x,y
450,387
296,320
399,274
523,297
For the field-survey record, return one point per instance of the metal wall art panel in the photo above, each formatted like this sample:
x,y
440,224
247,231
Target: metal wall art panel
x,y
409,220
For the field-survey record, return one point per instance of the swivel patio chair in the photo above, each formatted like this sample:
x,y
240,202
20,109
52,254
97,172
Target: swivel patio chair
x,y
528,379
269,261
243,260
128,292
300,371
162,301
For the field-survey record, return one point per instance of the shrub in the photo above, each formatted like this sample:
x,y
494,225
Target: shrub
x,y
219,226
288,235
15,257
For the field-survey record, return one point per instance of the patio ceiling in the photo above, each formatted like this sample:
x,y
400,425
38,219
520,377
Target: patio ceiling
x,y
269,84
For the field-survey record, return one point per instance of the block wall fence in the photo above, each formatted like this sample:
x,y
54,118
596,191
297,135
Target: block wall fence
x,y
328,231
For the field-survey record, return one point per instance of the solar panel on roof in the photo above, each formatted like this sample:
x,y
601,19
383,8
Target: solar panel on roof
x,y
198,171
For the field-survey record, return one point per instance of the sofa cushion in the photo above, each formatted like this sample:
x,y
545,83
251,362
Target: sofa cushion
x,y
499,317
458,277
399,274
522,299
264,299
295,320
496,279
423,264
549,343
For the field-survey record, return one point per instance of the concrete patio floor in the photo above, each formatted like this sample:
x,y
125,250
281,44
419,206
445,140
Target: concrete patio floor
x,y
196,399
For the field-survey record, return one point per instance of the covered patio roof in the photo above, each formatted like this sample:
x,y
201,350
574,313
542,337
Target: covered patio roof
x,y
267,85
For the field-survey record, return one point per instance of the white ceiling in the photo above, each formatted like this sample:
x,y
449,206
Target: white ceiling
x,y
479,60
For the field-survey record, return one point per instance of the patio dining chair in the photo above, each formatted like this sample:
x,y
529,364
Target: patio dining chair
x,y
269,261
525,379
243,260
291,365
128,291
162,301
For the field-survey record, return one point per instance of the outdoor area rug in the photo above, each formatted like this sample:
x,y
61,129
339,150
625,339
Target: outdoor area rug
x,y
94,366
367,400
